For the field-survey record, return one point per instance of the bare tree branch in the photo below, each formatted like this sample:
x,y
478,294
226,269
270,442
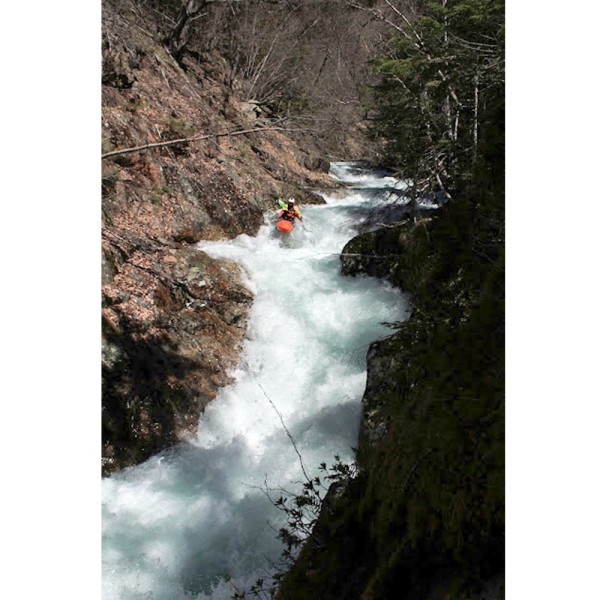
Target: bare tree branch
x,y
196,139
287,432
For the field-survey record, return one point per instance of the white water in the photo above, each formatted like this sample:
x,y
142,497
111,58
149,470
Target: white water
x,y
193,522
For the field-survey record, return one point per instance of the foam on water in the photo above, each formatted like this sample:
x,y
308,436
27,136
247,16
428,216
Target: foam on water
x,y
194,522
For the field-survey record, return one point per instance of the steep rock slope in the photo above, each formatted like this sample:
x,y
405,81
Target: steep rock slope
x,y
172,317
424,517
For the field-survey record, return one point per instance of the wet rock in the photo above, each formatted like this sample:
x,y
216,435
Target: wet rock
x,y
174,318
375,253
313,163
374,424
310,197
177,336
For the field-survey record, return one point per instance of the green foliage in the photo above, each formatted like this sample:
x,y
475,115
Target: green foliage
x,y
107,145
426,511
155,197
429,498
301,511
439,90
298,104
179,128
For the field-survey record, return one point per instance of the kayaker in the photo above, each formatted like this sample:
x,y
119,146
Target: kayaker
x,y
290,210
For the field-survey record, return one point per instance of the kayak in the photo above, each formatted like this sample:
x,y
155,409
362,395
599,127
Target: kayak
x,y
285,226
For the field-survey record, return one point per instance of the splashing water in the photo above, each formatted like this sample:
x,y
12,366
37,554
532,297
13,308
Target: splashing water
x,y
194,522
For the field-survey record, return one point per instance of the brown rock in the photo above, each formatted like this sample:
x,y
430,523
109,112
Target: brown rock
x,y
173,317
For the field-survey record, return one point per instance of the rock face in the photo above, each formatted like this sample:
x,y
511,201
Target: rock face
x,y
317,164
173,323
172,317
424,517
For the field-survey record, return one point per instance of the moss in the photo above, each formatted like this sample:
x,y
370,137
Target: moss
x,y
107,144
180,128
426,516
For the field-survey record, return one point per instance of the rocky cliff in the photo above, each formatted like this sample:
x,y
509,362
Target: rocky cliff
x,y
172,317
424,517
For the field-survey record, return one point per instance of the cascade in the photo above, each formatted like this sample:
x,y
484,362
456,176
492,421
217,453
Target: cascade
x,y
194,522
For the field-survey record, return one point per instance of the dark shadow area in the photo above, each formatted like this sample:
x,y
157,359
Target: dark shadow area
x,y
138,403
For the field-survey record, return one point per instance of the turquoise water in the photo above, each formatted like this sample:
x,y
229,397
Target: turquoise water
x,y
195,522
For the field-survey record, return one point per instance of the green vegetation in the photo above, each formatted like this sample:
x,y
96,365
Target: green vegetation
x,y
441,99
301,510
428,506
155,197
107,145
179,128
424,517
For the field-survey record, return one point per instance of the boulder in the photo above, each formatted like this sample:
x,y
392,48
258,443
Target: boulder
x,y
117,69
317,164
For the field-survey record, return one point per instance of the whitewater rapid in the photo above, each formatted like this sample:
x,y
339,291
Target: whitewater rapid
x,y
194,522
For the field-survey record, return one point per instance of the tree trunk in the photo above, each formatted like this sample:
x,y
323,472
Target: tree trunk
x,y
476,118
194,139
180,34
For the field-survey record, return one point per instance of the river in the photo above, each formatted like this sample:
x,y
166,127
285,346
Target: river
x,y
194,522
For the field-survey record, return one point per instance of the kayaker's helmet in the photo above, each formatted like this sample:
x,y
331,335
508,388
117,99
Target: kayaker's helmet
x,y
290,202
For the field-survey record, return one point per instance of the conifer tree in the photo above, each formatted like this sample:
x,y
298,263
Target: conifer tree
x,y
442,92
